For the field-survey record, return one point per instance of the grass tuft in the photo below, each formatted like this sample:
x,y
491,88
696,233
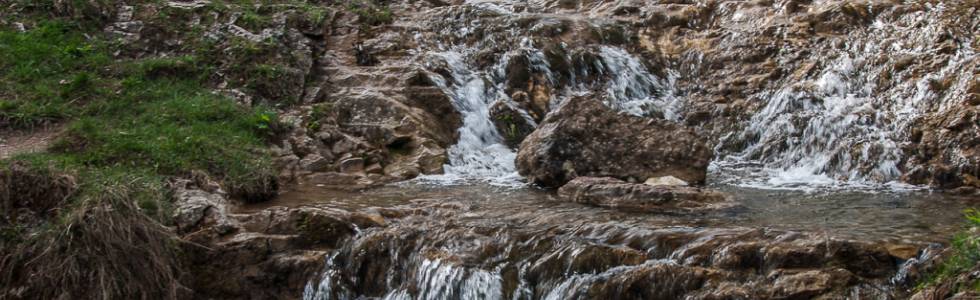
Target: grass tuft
x,y
964,258
88,219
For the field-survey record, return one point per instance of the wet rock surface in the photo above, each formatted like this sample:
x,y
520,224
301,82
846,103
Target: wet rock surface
x,y
856,90
850,90
585,138
441,248
632,197
267,254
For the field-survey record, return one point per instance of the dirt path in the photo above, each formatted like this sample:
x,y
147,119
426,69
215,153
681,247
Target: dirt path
x,y
13,142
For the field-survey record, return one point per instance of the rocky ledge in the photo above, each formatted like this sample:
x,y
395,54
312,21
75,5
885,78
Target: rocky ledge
x,y
633,197
266,254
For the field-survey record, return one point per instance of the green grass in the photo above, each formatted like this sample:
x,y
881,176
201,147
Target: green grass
x,y
965,256
100,196
371,13
45,72
173,128
150,117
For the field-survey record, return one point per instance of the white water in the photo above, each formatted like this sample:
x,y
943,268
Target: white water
x,y
480,153
840,129
835,129
633,89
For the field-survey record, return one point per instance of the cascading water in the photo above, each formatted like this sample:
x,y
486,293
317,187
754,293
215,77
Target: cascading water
x,y
842,127
632,89
834,126
478,242
480,153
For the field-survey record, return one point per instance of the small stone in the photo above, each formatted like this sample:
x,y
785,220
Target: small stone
x,y
802,285
374,168
973,99
665,181
352,165
314,163
343,146
902,251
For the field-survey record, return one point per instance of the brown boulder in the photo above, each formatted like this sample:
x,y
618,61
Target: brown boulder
x,y
583,137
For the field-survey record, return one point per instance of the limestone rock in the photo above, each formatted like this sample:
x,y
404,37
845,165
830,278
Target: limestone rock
x,y
614,193
665,181
586,138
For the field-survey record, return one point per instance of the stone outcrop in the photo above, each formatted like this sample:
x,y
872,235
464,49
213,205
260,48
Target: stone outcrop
x,y
270,253
583,137
535,250
634,197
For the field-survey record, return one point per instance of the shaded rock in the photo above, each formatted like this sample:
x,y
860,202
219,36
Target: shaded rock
x,y
510,123
352,165
614,193
586,138
314,162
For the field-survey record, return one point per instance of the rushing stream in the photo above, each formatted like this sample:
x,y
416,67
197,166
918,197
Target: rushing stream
x,y
820,156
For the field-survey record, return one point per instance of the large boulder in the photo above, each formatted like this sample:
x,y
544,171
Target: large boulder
x,y
636,197
583,137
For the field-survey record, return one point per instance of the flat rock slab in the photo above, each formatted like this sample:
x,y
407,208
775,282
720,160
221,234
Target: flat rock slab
x,y
635,197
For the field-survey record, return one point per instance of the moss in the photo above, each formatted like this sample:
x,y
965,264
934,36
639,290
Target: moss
x,y
320,110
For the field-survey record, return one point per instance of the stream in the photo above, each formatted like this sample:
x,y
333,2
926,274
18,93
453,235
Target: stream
x,y
815,173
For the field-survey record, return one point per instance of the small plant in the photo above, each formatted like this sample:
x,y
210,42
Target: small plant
x,y
262,121
371,13
320,110
252,20
965,254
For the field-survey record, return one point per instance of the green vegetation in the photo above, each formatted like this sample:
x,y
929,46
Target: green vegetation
x,y
371,13
46,73
964,259
317,113
99,196
152,114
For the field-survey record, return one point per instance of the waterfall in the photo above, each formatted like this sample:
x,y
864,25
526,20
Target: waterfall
x,y
847,125
480,153
633,89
